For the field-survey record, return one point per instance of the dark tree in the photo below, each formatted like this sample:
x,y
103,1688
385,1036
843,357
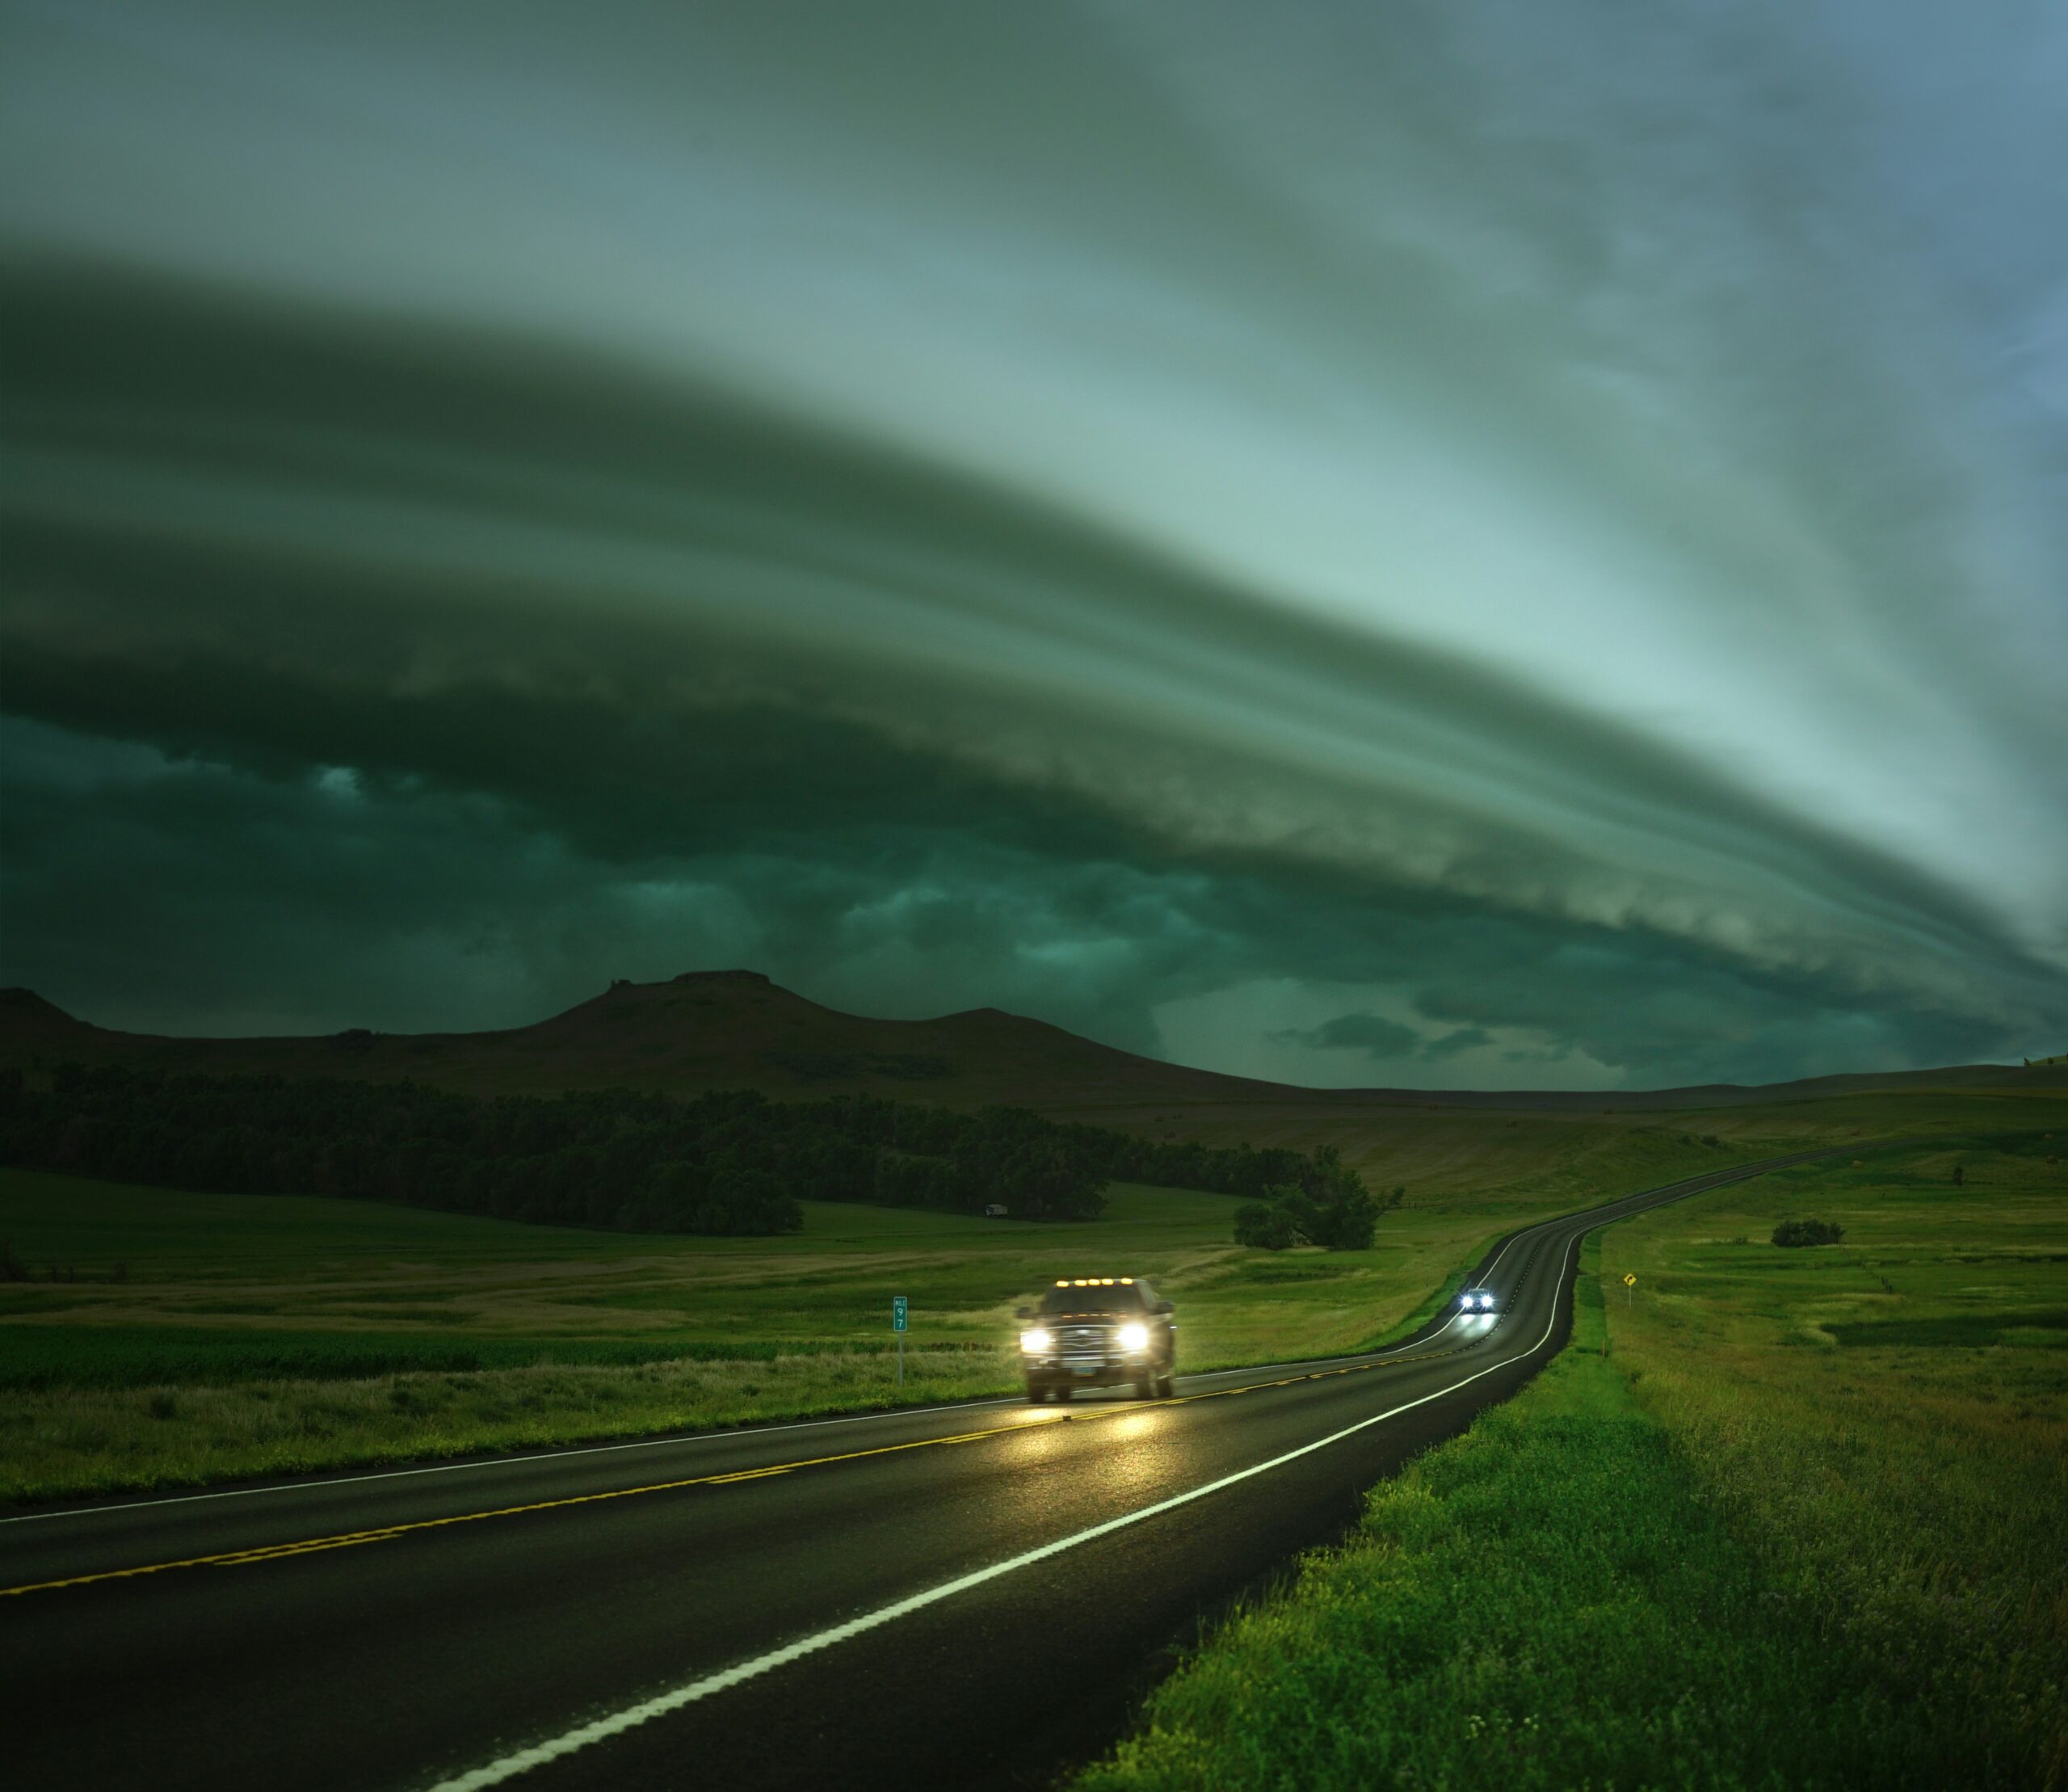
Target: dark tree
x,y
1330,1207
1265,1226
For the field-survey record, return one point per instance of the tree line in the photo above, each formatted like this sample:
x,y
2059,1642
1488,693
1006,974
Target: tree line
x,y
733,1162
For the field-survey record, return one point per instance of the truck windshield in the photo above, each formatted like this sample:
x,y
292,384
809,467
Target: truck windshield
x,y
1084,1303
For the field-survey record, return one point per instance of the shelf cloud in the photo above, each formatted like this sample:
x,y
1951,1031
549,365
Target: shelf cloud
x,y
1432,549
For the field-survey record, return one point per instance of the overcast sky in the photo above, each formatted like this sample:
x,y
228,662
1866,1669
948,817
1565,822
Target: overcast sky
x,y
1523,544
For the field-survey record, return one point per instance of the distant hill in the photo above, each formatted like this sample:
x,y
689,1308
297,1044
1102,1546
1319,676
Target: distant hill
x,y
736,1029
704,1030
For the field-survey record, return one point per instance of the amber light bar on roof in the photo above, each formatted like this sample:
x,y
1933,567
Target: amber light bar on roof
x,y
1097,1281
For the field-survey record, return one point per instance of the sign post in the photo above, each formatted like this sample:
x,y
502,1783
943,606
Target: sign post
x,y
1629,1290
897,1316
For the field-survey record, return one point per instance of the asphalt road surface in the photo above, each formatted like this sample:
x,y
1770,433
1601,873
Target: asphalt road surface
x,y
954,1595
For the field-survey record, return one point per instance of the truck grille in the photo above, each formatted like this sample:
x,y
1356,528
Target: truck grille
x,y
1081,1340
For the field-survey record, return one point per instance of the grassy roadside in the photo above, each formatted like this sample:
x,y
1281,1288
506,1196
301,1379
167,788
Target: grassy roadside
x,y
1727,1554
176,1338
188,1338
252,1334
160,1431
1886,1421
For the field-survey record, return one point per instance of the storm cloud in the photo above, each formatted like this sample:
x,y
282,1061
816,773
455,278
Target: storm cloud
x,y
1216,538
1372,1035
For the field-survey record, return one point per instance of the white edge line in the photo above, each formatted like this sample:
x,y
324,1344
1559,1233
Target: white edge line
x,y
602,1729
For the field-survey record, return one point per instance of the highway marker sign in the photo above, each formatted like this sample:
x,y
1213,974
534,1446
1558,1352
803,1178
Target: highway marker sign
x,y
899,1314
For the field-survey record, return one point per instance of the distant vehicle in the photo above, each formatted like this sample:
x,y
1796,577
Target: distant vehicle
x,y
996,1210
1476,1300
1098,1331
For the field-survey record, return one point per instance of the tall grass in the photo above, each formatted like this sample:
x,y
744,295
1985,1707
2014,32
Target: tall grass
x,y
1551,1601
1729,1552
1888,1429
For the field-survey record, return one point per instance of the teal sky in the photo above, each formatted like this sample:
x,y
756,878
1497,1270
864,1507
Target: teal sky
x,y
1517,545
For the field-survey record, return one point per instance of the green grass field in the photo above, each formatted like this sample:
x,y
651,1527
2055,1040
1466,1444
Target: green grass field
x,y
258,1334
254,1334
1800,1526
251,1334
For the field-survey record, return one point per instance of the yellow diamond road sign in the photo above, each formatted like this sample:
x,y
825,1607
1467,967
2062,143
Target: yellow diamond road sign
x,y
1629,1282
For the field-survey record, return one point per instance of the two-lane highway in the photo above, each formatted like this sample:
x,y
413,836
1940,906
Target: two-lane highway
x,y
939,1596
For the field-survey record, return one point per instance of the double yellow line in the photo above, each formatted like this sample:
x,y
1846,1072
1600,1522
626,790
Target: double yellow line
x,y
275,1552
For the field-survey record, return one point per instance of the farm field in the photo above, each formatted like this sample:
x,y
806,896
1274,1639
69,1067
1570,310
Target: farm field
x,y
1776,1517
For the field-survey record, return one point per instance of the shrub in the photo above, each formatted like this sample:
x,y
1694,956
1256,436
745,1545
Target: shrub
x,y
1793,1232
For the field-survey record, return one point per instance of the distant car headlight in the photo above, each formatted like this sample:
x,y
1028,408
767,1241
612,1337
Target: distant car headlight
x,y
1134,1337
1034,1341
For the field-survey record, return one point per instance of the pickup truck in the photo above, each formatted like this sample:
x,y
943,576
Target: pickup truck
x,y
1098,1331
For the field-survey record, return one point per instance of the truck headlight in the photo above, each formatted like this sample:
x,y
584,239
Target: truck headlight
x,y
1034,1341
1134,1337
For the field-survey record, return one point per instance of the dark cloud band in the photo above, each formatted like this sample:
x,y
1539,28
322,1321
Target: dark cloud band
x,y
393,609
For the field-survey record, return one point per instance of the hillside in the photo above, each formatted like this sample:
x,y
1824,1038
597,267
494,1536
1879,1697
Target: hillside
x,y
736,1029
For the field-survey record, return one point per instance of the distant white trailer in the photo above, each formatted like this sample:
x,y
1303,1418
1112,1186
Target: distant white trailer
x,y
996,1210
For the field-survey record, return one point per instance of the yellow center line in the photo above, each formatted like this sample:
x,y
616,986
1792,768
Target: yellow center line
x,y
235,1558
293,1549
270,1552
